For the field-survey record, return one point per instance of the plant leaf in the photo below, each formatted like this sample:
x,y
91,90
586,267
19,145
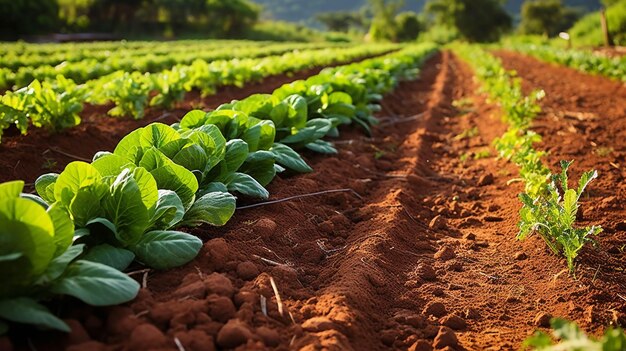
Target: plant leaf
x,y
245,184
169,210
111,256
287,157
28,311
76,175
162,249
11,189
214,208
96,284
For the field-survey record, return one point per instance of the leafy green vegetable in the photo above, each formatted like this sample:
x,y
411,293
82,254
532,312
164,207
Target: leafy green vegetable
x,y
119,211
38,261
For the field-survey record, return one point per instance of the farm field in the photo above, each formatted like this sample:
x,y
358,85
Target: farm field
x,y
311,196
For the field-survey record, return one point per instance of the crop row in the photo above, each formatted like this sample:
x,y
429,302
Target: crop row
x,y
15,56
85,69
612,67
92,220
56,104
549,205
103,46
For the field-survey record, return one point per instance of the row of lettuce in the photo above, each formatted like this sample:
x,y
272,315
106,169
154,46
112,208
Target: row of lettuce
x,y
19,71
56,104
549,205
91,221
24,48
16,55
585,61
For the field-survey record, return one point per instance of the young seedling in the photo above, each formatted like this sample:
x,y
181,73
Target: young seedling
x,y
552,215
467,134
571,338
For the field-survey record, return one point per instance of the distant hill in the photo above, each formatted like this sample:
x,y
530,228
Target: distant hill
x,y
303,10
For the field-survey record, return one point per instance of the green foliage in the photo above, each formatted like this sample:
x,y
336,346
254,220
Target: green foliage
x,y
409,26
588,31
94,219
549,207
516,145
503,86
384,26
475,20
546,17
571,338
283,31
343,21
552,214
54,106
440,34
171,86
128,91
612,67
87,61
114,203
55,103
219,18
228,17
27,17
38,261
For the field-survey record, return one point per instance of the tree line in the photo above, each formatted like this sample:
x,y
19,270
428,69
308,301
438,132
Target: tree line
x,y
473,20
215,18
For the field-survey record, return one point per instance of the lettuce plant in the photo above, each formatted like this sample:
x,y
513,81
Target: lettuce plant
x,y
120,214
128,91
54,106
290,115
171,86
38,262
252,157
13,113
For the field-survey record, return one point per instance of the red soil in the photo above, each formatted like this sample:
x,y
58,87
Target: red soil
x,y
425,256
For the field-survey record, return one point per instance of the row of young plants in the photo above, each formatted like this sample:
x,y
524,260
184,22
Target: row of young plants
x,y
586,61
569,337
19,55
86,69
22,47
91,221
549,204
56,104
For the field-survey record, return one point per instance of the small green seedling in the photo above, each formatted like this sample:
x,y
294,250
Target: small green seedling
x,y
467,134
479,155
571,338
552,214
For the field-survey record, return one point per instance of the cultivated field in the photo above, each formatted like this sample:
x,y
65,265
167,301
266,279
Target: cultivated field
x,y
204,195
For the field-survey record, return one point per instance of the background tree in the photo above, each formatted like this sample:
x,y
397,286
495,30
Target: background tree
x,y
475,20
384,26
110,15
342,21
231,17
409,26
547,17
24,17
608,3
